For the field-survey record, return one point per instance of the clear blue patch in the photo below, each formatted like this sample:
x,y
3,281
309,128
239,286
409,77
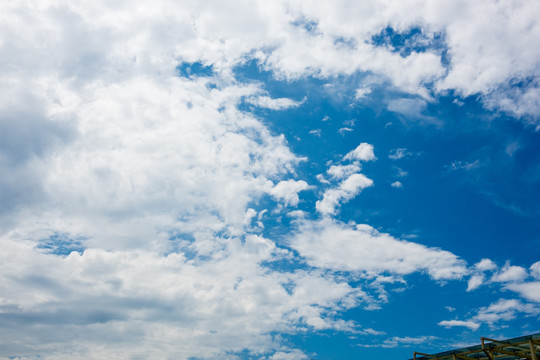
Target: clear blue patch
x,y
195,69
61,244
412,40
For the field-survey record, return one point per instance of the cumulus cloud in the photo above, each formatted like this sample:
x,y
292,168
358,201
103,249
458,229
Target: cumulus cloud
x,y
363,152
510,273
343,171
528,290
535,270
329,244
485,265
352,182
478,277
349,188
288,191
136,302
101,39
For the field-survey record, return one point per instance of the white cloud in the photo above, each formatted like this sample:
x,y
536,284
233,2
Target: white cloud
x,y
528,290
501,26
102,39
363,152
333,245
348,189
362,93
396,184
352,182
399,153
408,107
342,131
400,172
478,277
485,265
343,171
492,315
135,302
273,104
535,270
134,156
510,273
475,281
504,309
453,323
463,165
288,191
289,355
405,341
413,109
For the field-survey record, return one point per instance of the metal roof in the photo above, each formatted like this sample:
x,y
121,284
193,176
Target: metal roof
x,y
524,347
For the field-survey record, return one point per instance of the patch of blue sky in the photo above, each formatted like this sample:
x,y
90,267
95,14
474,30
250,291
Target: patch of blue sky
x,y
61,244
456,214
194,69
447,199
414,39
462,217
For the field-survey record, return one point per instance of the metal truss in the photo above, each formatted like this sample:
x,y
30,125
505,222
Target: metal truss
x,y
525,347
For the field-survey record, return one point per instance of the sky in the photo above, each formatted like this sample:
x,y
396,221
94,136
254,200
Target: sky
x,y
278,180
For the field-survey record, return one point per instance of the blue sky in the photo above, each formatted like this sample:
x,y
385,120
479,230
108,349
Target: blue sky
x,y
280,181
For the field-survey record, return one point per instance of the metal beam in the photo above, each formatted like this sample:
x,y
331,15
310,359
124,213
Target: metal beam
x,y
419,353
533,351
486,351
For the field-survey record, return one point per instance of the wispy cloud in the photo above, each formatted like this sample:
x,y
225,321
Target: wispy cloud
x,y
453,323
402,153
274,104
463,165
405,341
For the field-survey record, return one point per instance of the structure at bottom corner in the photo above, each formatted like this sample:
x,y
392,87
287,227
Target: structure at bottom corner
x,y
524,347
